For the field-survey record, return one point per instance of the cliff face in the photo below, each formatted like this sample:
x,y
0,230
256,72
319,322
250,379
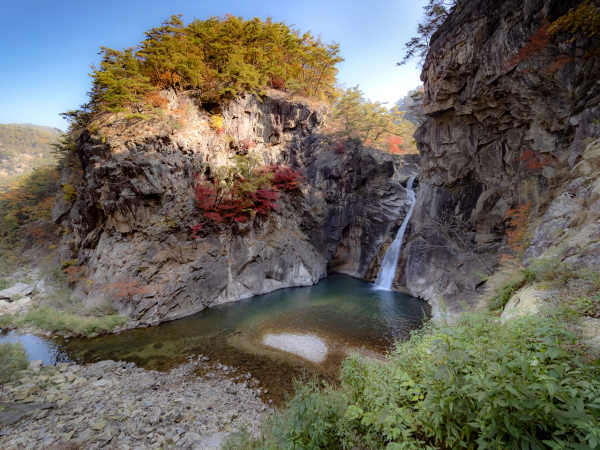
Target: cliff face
x,y
486,118
131,220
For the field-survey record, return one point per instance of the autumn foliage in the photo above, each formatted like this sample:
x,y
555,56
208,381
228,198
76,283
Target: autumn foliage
x,y
534,160
538,41
246,144
395,145
27,207
126,289
373,123
516,221
285,178
338,147
218,58
580,23
242,192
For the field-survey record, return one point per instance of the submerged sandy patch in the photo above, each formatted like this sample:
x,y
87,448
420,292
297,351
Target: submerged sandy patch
x,y
304,345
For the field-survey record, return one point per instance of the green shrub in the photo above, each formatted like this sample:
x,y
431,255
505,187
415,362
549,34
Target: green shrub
x,y
6,320
551,271
314,418
69,192
474,383
12,359
4,284
481,384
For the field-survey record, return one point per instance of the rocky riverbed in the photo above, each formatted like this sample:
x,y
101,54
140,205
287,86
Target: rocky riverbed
x,y
115,405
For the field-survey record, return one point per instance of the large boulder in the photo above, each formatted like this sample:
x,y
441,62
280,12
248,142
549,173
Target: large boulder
x,y
19,289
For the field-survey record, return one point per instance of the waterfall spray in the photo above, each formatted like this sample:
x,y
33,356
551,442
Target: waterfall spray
x,y
386,274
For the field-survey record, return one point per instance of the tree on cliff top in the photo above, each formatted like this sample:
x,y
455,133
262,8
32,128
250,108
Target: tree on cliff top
x,y
218,58
436,12
373,123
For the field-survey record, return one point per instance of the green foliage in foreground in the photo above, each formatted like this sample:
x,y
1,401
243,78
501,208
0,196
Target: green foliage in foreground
x,y
50,319
12,359
475,383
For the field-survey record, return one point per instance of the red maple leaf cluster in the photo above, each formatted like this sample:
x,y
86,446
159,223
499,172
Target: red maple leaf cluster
x,y
285,178
535,161
238,202
277,82
339,147
395,144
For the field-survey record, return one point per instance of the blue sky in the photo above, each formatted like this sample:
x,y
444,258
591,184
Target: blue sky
x,y
49,45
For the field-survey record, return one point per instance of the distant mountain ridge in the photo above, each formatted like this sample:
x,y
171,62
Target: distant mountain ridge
x,y
45,128
23,147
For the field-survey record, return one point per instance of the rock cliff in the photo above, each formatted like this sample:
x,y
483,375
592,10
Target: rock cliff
x,y
130,223
499,135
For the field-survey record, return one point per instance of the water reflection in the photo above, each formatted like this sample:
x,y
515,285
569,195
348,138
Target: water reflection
x,y
344,312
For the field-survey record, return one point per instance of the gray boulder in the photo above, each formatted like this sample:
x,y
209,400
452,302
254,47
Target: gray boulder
x,y
17,289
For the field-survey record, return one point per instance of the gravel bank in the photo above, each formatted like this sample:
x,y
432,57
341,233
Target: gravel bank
x,y
112,405
306,346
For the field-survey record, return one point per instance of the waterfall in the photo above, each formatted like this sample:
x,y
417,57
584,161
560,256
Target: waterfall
x,y
386,274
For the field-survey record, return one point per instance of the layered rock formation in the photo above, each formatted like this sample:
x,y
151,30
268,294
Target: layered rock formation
x,y
490,124
129,228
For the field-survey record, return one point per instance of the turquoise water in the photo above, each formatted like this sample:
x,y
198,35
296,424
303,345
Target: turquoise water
x,y
345,313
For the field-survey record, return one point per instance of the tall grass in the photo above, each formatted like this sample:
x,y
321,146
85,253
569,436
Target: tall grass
x,y
12,359
50,319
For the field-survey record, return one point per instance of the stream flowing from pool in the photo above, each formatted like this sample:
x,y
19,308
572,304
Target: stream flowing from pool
x,y
342,314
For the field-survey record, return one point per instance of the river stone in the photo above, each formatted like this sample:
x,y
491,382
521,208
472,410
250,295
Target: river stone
x,y
11,413
98,370
17,289
41,285
99,426
22,301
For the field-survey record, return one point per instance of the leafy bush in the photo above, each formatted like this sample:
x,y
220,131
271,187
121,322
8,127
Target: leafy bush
x,y
6,320
12,359
481,383
474,383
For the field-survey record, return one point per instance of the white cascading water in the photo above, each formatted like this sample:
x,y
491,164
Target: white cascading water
x,y
386,274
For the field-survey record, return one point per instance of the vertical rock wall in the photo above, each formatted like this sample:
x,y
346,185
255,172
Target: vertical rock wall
x,y
484,115
131,220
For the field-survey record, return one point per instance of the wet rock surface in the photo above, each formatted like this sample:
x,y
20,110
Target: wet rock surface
x,y
114,405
